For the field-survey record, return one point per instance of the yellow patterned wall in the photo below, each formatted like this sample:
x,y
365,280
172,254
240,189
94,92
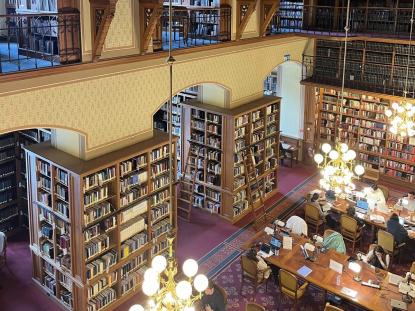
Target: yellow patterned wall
x,y
116,103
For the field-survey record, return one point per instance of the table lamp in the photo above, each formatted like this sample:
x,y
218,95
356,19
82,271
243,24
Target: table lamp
x,y
356,268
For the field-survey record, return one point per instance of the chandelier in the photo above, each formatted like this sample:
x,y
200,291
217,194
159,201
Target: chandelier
x,y
402,115
337,164
165,293
337,168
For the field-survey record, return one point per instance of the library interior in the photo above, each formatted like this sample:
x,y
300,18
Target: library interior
x,y
207,155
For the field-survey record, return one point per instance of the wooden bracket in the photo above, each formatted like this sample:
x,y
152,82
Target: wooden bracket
x,y
150,16
244,11
269,8
103,12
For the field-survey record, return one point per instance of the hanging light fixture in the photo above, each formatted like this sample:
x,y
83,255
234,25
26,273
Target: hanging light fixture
x,y
166,294
402,115
338,164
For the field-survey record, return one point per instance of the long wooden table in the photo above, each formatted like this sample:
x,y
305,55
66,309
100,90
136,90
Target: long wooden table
x,y
325,278
340,206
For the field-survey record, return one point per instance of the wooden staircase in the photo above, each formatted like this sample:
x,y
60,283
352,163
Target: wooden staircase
x,y
259,214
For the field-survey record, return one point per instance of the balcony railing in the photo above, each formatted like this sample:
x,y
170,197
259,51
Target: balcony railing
x,y
385,78
32,41
196,27
330,20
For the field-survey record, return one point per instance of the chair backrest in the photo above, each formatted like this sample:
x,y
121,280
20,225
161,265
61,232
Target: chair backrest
x,y
249,266
386,240
385,191
252,306
288,281
330,307
224,293
348,225
327,232
311,212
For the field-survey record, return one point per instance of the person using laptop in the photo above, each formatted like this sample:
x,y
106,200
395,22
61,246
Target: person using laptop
x,y
351,211
408,202
263,270
375,195
396,229
319,202
377,257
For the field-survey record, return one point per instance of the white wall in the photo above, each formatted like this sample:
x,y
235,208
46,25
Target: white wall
x,y
292,104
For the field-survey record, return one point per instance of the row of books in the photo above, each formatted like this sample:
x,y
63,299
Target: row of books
x,y
160,167
160,211
97,212
197,124
159,197
103,299
7,170
133,164
62,192
99,178
133,212
133,264
214,118
6,184
62,176
132,180
96,246
133,243
160,182
43,168
242,120
159,247
159,153
132,227
101,264
104,282
131,281
133,195
90,198
160,228
44,183
50,284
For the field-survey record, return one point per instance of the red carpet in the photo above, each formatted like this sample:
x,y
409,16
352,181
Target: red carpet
x,y
194,240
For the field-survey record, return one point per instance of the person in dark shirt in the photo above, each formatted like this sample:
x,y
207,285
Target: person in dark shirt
x,y
213,299
396,229
351,211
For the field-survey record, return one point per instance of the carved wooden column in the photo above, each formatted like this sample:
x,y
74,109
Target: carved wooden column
x,y
309,123
244,11
268,10
151,12
102,13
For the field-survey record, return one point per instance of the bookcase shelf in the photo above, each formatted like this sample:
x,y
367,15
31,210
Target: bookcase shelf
x,y
90,244
367,131
223,137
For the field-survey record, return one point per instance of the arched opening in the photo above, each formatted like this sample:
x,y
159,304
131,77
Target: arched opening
x,y
285,81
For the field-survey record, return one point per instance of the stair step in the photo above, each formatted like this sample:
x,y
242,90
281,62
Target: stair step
x,y
183,200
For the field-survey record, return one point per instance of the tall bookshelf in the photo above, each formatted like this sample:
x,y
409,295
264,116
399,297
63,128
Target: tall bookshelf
x,y
13,200
222,136
160,118
95,225
366,130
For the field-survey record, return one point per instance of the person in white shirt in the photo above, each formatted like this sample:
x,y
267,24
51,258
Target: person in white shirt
x,y
409,201
375,195
297,225
263,269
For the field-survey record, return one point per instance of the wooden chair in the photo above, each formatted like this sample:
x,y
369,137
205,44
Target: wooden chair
x,y
251,306
413,267
371,174
3,250
289,286
313,217
330,307
250,272
387,241
350,230
385,191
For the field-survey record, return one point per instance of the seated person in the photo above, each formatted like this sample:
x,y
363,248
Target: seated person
x,y
409,201
334,241
213,299
297,225
376,257
263,270
396,229
319,202
351,211
375,194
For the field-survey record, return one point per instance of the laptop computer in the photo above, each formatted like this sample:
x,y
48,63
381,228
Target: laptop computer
x,y
275,243
265,250
362,206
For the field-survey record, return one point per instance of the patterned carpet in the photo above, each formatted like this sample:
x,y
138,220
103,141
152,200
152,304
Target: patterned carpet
x,y
222,263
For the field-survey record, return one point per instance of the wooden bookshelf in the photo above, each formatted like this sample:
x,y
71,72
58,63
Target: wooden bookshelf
x,y
95,225
13,198
366,130
223,136
160,118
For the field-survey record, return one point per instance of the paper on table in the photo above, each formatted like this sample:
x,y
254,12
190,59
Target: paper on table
x,y
287,242
336,266
377,218
269,230
304,271
394,278
349,292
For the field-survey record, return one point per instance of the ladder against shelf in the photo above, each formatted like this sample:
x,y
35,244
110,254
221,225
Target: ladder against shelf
x,y
365,129
95,225
222,135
